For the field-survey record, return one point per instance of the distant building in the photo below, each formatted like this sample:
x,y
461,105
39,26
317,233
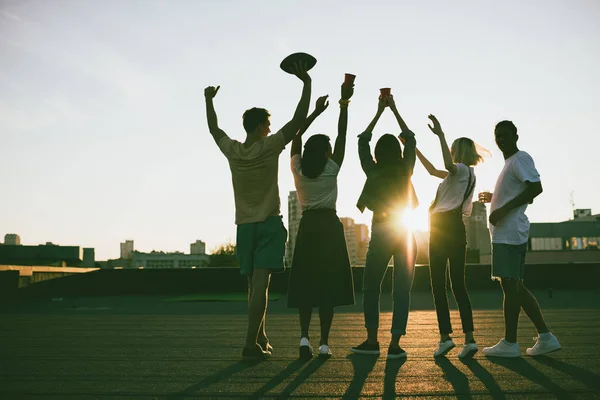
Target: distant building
x,y
198,247
168,260
478,234
46,255
12,239
357,241
576,240
294,217
126,249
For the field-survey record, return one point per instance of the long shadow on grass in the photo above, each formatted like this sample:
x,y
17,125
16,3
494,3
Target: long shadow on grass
x,y
528,371
363,365
584,376
485,377
392,367
212,379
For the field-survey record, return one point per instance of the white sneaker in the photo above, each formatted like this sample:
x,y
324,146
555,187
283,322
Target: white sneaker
x,y
468,350
305,349
503,349
324,351
444,348
544,345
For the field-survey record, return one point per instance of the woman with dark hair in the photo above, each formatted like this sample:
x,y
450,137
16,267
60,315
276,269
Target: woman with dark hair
x,y
321,275
387,192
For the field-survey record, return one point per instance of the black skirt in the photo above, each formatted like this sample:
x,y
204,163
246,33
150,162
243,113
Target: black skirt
x,y
321,274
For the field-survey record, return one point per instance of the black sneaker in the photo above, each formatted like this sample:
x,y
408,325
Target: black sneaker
x,y
255,354
366,348
396,352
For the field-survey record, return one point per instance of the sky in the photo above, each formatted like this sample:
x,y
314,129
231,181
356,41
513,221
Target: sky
x,y
103,127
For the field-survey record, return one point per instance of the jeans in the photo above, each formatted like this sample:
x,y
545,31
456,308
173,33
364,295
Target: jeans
x,y
387,241
447,242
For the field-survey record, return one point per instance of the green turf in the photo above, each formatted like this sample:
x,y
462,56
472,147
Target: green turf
x,y
218,297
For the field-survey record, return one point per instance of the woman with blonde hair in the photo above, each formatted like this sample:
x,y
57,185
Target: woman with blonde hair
x,y
447,235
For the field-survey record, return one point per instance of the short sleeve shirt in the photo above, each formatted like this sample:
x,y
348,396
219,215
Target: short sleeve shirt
x,y
320,192
451,192
254,173
514,228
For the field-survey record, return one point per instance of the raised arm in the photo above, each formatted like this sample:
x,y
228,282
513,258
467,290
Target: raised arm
x,y
211,116
364,150
433,171
437,129
339,149
392,103
320,106
290,130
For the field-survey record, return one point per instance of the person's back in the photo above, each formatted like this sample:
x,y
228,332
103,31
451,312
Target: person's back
x,y
254,173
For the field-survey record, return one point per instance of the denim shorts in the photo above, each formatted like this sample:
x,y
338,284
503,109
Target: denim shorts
x,y
261,245
508,260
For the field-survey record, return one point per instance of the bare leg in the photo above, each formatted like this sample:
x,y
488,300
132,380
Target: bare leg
x,y
262,334
257,305
512,308
326,319
305,316
532,309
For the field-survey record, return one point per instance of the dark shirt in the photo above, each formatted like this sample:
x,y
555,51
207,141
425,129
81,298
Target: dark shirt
x,y
388,189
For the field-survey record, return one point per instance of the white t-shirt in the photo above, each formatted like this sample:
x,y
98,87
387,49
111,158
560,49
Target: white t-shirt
x,y
514,228
451,191
254,172
320,192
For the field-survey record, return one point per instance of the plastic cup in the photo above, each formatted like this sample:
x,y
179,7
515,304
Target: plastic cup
x,y
385,92
349,79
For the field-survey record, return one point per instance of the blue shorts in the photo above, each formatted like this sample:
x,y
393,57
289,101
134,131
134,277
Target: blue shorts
x,y
261,245
508,260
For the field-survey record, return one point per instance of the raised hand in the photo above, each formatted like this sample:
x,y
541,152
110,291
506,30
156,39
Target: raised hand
x,y
436,128
347,91
321,104
391,102
299,69
211,91
381,105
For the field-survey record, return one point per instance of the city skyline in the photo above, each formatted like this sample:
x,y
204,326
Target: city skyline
x,y
102,112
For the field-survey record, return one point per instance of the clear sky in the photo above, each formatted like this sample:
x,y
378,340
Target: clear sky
x,y
103,130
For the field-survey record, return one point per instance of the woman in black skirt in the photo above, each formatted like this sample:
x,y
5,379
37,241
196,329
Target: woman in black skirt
x,y
321,275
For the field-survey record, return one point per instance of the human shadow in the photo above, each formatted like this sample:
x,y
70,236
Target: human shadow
x,y
458,380
212,379
302,377
485,377
363,365
528,371
583,375
278,379
392,367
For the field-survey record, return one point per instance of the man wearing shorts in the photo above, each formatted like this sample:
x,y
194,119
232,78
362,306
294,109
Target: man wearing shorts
x,y
518,184
261,235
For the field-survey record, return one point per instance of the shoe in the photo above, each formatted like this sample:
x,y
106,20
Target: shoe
x,y
305,349
468,350
324,351
444,347
503,349
544,345
396,352
255,354
366,348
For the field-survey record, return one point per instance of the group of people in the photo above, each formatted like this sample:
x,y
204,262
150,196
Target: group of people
x,y
321,274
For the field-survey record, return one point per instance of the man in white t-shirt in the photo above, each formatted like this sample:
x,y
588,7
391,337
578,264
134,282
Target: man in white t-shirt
x,y
518,184
261,235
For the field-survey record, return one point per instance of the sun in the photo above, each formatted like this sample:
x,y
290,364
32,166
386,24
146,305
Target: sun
x,y
415,220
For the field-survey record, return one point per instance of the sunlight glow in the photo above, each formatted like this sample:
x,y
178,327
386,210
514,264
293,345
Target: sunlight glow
x,y
415,220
